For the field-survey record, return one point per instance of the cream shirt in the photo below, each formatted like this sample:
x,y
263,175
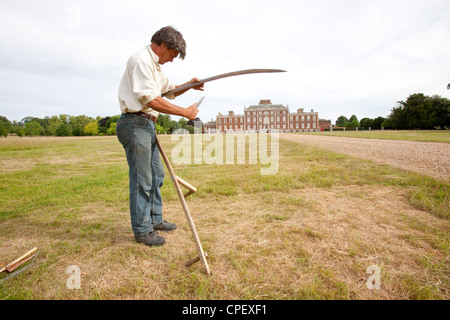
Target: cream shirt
x,y
142,82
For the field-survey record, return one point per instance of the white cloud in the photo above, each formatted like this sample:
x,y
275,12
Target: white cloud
x,y
346,57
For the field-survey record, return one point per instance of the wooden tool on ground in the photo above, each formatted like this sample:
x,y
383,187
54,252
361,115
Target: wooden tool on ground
x,y
18,262
177,181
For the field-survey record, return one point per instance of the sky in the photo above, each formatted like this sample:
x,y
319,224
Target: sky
x,y
342,57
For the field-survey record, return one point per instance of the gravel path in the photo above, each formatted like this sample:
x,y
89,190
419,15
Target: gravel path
x,y
430,158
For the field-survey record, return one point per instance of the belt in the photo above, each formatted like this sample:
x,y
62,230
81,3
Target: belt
x,y
146,116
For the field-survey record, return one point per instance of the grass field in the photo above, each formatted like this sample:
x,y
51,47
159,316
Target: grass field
x,y
312,231
413,135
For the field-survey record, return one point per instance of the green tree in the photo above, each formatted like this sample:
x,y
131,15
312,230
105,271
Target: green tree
x,y
42,122
378,122
189,128
33,128
366,123
352,125
91,129
182,122
27,119
164,123
387,123
353,118
7,124
19,131
341,121
174,125
441,108
159,129
64,118
3,130
112,129
420,112
52,125
78,123
397,118
63,131
111,120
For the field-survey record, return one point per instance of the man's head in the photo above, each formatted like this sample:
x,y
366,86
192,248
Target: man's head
x,y
170,43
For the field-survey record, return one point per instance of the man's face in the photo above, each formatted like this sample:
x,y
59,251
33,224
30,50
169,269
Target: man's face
x,y
166,54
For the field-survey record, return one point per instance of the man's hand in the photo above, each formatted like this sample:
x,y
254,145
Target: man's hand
x,y
191,112
161,105
193,80
200,86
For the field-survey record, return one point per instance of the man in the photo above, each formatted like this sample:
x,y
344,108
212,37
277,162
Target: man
x,y
140,100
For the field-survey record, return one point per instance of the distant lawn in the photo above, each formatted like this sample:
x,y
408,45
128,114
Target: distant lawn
x,y
414,135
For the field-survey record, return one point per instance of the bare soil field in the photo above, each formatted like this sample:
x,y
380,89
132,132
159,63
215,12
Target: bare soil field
x,y
430,158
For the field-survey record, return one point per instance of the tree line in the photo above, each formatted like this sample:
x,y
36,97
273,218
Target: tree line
x,y
66,125
417,112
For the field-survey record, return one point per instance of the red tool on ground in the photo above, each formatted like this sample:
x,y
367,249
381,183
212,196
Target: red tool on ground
x,y
19,261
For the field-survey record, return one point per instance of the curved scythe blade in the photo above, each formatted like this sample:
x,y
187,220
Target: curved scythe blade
x,y
221,76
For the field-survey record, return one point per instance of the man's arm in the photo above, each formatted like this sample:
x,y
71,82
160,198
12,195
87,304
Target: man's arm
x,y
161,105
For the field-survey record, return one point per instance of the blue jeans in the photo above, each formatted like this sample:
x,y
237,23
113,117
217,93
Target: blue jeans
x,y
146,172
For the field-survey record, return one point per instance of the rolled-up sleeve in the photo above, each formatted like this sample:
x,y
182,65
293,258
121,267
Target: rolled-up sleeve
x,y
144,84
169,88
148,85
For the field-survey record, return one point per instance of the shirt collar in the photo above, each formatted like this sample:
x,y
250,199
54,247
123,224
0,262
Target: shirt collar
x,y
154,57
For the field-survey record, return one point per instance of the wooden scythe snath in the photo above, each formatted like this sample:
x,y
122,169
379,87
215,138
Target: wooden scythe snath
x,y
177,181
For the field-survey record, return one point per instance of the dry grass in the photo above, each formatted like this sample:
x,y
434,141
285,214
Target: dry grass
x,y
428,158
310,232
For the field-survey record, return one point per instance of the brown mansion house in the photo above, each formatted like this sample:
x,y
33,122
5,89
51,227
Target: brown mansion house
x,y
267,117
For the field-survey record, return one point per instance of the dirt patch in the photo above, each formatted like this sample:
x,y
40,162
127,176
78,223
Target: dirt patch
x,y
429,158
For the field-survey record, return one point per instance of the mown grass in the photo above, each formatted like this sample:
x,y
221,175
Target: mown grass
x,y
412,135
308,232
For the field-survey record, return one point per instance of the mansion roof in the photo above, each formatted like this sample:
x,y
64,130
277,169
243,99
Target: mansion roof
x,y
266,105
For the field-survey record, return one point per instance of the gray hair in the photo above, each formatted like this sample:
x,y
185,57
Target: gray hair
x,y
172,38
